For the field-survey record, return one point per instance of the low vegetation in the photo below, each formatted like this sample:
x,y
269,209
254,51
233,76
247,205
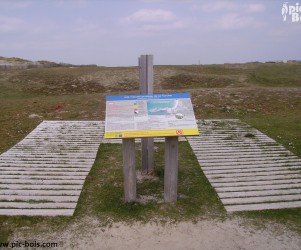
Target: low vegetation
x,y
267,96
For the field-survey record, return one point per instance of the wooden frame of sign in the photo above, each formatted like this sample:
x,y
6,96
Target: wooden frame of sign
x,y
147,148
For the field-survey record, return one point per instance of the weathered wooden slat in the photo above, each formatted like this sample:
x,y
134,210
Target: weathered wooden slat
x,y
37,212
40,177
171,169
49,155
233,149
25,205
243,159
45,172
40,182
219,153
253,162
260,199
269,187
40,198
256,183
49,166
57,161
12,186
263,206
41,172
129,169
246,166
231,175
39,192
254,178
251,167
259,193
251,154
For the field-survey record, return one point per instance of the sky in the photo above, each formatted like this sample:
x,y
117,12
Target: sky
x,y
116,32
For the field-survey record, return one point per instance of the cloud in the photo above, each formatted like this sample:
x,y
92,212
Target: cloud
x,y
75,3
10,24
256,7
225,6
86,26
149,15
162,27
232,21
154,20
232,15
12,5
13,45
165,1
151,1
219,6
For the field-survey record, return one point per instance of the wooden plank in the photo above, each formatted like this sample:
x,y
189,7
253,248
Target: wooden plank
x,y
251,174
12,186
41,182
50,162
251,168
144,155
263,206
150,152
48,167
146,75
260,199
51,156
41,177
129,169
243,155
259,193
256,183
171,169
271,187
138,140
37,212
255,178
39,192
256,171
237,152
146,87
40,198
253,162
42,172
243,159
233,149
236,144
24,205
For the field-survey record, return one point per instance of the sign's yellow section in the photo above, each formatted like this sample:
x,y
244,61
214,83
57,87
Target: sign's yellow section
x,y
153,115
151,133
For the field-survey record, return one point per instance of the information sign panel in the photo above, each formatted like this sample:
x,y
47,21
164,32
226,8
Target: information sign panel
x,y
154,115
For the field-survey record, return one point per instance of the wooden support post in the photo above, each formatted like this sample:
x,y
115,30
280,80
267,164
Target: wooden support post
x,y
129,171
171,169
146,78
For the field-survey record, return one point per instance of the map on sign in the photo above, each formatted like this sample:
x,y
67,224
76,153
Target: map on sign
x,y
129,116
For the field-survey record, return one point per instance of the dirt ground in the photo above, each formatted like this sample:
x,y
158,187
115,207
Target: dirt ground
x,y
204,234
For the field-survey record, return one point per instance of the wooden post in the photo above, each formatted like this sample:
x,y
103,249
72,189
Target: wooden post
x,y
171,169
146,78
129,171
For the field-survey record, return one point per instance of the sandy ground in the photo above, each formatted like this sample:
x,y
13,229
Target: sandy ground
x,y
205,234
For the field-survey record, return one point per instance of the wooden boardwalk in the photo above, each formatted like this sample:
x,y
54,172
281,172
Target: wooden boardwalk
x,y
248,170
44,173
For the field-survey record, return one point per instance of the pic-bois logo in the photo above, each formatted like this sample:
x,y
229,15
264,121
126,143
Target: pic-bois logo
x,y
291,12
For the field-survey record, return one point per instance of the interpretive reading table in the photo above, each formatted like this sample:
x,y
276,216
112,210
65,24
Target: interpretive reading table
x,y
151,115
154,115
